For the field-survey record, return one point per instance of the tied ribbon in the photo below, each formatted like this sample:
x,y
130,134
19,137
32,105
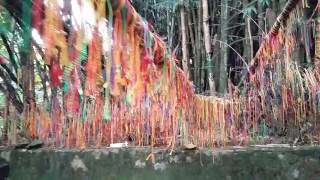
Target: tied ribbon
x,y
55,73
26,25
94,65
37,18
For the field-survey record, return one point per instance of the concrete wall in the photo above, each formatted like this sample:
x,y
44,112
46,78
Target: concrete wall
x,y
131,164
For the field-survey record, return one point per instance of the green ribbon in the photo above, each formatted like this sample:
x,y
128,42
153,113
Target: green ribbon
x,y
65,80
128,98
173,71
84,52
84,109
106,107
110,13
123,19
26,25
180,121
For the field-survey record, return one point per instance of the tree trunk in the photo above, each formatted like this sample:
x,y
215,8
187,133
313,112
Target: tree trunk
x,y
248,44
192,40
306,36
197,45
281,20
171,31
207,43
224,49
191,33
200,44
27,77
261,13
27,65
185,55
283,17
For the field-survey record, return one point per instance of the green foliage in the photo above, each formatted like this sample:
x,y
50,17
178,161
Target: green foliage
x,y
174,5
264,3
5,21
166,4
249,11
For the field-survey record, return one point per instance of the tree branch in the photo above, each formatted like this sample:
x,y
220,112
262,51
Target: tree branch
x,y
10,52
12,92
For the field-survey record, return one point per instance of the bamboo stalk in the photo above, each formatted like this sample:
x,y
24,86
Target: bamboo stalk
x,y
281,21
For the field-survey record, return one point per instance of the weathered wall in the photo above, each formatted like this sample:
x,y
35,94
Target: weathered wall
x,y
131,164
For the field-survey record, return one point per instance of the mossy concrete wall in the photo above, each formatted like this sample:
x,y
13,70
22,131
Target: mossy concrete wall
x,y
131,164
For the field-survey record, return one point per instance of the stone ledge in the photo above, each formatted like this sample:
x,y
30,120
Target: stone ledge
x,y
130,164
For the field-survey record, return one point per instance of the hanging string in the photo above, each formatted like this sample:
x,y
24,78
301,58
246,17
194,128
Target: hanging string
x,y
127,93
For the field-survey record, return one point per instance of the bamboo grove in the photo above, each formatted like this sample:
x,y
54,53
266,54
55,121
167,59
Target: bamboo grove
x,y
107,77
